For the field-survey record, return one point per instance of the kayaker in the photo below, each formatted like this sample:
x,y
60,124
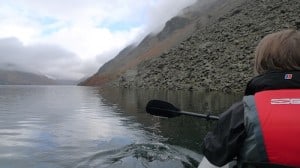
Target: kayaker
x,y
264,128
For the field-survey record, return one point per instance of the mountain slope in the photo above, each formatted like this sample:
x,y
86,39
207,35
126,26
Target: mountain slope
x,y
175,30
219,54
216,54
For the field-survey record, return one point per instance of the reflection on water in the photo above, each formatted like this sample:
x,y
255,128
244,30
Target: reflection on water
x,y
63,126
183,131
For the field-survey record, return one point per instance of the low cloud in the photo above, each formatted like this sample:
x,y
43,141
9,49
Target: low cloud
x,y
72,39
44,59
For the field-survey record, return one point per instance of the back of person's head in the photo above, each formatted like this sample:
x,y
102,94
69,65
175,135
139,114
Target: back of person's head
x,y
278,51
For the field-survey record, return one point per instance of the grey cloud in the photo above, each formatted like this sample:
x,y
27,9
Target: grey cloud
x,y
42,59
165,11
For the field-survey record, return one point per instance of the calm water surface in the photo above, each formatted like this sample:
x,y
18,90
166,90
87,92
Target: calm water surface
x,y
69,126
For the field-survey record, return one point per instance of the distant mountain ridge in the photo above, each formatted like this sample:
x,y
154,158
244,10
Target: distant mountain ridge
x,y
9,77
14,77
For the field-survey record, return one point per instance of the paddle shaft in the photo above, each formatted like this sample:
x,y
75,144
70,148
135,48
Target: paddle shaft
x,y
206,116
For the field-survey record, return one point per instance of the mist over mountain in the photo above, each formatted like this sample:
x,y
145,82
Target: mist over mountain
x,y
15,77
210,49
23,78
175,30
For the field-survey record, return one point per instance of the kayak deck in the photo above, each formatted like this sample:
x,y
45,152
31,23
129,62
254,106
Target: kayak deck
x,y
206,164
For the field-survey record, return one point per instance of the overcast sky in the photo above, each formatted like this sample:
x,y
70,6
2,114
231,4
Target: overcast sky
x,y
73,38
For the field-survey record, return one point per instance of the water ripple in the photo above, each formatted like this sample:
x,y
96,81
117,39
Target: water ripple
x,y
142,155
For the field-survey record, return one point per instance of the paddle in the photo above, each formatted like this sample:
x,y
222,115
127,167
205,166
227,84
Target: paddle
x,y
165,109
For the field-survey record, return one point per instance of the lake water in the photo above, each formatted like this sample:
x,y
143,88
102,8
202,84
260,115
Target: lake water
x,y
70,126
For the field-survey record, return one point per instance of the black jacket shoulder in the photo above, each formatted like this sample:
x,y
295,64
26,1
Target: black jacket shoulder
x,y
223,144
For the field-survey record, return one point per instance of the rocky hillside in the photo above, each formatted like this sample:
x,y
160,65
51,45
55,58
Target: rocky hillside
x,y
176,30
219,54
210,48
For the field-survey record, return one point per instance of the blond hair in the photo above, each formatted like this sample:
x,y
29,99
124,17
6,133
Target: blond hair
x,y
278,51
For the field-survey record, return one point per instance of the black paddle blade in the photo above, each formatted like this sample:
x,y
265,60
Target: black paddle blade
x,y
162,108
